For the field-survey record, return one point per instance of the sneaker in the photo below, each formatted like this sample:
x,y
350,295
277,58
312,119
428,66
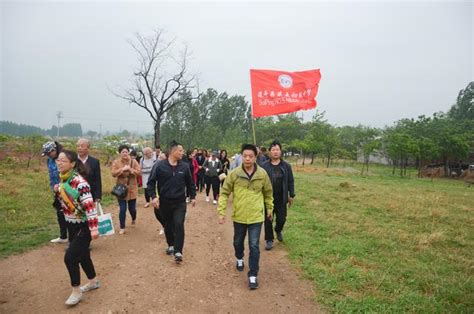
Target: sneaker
x,y
240,265
269,245
207,198
170,250
214,202
146,205
162,231
253,283
188,200
58,240
74,299
89,287
122,231
279,236
178,257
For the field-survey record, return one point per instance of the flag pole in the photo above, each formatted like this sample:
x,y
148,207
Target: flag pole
x,y
253,128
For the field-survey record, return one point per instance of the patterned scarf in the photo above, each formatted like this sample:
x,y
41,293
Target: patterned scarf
x,y
69,195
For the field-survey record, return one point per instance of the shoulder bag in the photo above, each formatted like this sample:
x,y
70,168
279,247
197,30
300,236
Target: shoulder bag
x,y
120,190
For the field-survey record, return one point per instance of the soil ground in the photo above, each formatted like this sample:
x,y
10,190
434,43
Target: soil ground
x,y
137,276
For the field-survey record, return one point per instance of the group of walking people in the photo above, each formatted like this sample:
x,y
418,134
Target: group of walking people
x,y
261,189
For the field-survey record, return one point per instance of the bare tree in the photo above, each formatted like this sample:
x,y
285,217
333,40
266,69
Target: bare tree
x,y
162,81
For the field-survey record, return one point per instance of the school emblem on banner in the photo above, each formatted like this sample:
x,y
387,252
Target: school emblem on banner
x,y
279,92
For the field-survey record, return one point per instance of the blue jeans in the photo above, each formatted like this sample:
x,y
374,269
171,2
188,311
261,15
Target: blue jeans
x,y
123,211
240,230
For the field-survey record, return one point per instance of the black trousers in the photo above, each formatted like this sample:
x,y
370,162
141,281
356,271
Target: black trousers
x,y
200,179
61,220
216,186
173,214
279,215
158,216
78,253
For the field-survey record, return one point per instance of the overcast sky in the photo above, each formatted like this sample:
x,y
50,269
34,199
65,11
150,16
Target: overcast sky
x,y
380,61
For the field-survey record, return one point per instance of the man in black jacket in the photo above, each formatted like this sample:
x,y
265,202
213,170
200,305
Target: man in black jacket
x,y
172,178
283,185
93,168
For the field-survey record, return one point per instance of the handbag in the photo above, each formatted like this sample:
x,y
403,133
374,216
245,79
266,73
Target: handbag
x,y
222,176
120,190
106,226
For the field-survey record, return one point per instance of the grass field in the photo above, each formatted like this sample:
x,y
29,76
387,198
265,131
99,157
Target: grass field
x,y
381,243
374,243
27,218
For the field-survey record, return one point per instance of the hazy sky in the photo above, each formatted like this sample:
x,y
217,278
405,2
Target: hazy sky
x,y
380,61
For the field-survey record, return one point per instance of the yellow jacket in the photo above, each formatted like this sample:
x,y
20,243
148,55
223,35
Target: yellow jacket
x,y
250,197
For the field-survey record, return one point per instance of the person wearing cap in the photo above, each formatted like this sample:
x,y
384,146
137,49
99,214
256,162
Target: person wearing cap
x,y
252,200
212,168
52,150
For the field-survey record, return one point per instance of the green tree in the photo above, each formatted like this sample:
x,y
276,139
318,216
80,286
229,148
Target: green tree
x,y
368,140
29,147
464,107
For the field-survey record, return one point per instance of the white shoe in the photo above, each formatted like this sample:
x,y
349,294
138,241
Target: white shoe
x,y
89,287
58,240
207,198
146,205
122,231
74,299
214,202
162,231
188,200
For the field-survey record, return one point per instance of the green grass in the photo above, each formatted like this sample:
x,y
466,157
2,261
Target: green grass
x,y
27,217
381,243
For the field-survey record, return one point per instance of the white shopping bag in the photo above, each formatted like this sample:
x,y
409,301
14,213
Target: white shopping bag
x,y
106,226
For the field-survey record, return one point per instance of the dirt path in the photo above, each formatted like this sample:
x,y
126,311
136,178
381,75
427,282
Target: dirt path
x,y
137,275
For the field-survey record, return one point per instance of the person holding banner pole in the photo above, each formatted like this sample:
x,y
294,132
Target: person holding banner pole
x,y
80,213
281,176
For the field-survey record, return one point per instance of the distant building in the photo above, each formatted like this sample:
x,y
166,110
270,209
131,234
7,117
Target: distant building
x,y
376,157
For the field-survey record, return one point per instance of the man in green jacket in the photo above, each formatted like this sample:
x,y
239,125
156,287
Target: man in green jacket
x,y
252,201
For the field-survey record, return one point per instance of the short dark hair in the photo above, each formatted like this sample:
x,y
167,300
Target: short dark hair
x,y
157,147
174,144
122,147
249,147
274,143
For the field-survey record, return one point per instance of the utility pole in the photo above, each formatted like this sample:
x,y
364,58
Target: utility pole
x,y
59,115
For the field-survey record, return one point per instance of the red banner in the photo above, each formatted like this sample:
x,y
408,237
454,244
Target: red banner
x,y
278,92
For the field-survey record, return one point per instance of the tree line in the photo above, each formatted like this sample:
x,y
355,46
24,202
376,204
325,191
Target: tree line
x,y
18,129
217,120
